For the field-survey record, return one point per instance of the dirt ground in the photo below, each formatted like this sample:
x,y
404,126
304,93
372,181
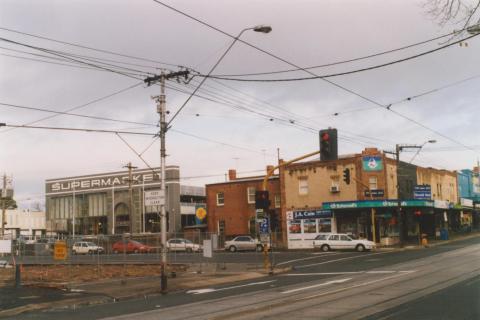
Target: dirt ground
x,y
61,274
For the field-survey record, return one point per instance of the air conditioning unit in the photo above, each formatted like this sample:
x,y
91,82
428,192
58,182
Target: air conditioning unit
x,y
334,189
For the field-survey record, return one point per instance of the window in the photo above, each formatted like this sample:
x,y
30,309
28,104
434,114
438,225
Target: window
x,y
220,199
251,195
310,226
345,238
334,237
277,201
372,183
303,186
294,226
439,190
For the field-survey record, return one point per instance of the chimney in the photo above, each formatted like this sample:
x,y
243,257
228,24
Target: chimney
x,y
232,174
269,167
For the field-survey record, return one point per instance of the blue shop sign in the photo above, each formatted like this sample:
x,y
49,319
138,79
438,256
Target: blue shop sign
x,y
422,192
312,214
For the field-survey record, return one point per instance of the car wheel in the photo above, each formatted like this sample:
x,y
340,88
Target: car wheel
x,y
325,248
74,252
115,251
259,248
189,250
135,251
90,252
232,249
360,248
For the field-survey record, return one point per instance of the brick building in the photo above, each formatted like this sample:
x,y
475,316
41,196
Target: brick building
x,y
231,204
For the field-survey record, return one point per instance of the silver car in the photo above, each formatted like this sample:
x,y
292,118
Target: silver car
x,y
243,243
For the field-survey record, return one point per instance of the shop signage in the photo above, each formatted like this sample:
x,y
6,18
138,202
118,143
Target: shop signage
x,y
377,193
422,192
441,204
372,163
60,250
312,214
376,204
466,202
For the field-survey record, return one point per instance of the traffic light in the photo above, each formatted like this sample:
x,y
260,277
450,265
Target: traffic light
x,y
328,144
346,175
261,200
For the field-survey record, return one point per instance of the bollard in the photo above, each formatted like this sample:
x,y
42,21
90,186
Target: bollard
x,y
18,276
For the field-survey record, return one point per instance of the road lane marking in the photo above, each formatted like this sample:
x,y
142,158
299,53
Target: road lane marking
x,y
208,290
341,259
345,272
318,255
355,286
318,285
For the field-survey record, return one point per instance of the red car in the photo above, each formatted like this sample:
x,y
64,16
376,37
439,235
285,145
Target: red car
x,y
130,246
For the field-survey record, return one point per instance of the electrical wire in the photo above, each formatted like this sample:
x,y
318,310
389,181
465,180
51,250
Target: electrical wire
x,y
87,47
384,107
331,75
77,129
341,61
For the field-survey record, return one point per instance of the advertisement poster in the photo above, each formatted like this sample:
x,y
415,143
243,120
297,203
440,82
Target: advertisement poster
x,y
372,163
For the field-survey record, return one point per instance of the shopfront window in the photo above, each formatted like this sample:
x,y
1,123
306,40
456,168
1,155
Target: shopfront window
x,y
294,226
310,226
324,225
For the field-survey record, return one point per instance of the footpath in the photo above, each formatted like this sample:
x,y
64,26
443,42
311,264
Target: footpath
x,y
36,296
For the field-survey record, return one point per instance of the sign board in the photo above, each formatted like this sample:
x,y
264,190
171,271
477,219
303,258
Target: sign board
x,y
312,214
5,246
372,163
377,204
201,213
376,193
422,192
60,250
466,202
155,197
207,248
264,226
441,204
259,214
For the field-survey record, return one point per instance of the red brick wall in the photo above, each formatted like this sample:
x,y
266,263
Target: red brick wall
x,y
236,211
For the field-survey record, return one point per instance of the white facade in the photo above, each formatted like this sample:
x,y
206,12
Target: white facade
x,y
25,221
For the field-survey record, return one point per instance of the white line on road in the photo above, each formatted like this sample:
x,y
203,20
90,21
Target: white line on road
x,y
208,290
341,259
346,272
318,285
318,255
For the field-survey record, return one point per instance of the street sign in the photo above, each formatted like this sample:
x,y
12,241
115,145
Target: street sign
x,y
422,192
375,193
264,226
154,197
60,250
259,213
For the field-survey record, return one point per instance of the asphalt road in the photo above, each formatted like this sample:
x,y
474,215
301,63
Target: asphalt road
x,y
460,301
312,270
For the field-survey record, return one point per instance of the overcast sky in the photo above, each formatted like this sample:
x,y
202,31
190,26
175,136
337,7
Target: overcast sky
x,y
306,33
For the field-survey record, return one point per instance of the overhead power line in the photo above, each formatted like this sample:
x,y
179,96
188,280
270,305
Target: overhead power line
x,y
384,107
331,75
87,47
76,129
339,62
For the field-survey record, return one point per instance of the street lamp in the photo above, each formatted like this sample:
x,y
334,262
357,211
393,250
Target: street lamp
x,y
475,29
399,148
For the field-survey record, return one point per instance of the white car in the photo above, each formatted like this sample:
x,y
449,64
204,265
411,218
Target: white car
x,y
179,244
243,243
334,241
84,247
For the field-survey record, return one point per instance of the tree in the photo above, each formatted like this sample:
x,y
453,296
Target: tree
x,y
464,12
10,203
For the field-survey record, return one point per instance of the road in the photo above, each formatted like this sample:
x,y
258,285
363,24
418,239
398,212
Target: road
x,y
336,285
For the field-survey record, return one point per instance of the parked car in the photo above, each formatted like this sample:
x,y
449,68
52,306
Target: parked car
x,y
243,243
179,244
130,246
84,247
334,241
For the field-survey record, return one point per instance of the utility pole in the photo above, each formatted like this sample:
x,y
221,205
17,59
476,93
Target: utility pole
x,y
162,111
130,192
4,202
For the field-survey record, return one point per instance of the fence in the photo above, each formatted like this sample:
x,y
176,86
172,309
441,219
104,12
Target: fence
x,y
90,258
